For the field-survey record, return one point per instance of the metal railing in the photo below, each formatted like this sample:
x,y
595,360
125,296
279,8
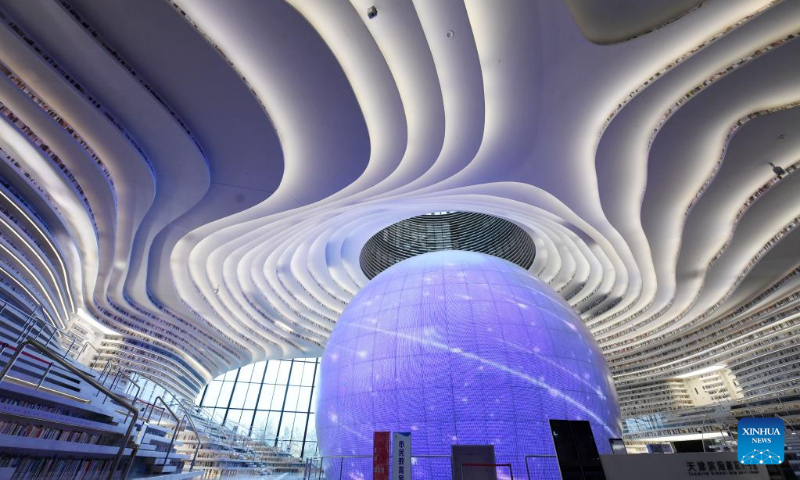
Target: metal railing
x,y
69,349
728,413
219,429
177,424
33,322
30,322
122,374
341,462
312,462
106,370
5,345
527,466
87,343
237,440
308,474
188,416
88,379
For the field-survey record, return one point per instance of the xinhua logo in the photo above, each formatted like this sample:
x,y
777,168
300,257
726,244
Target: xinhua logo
x,y
760,441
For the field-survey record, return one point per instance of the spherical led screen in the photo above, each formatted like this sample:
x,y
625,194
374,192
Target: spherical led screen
x,y
459,348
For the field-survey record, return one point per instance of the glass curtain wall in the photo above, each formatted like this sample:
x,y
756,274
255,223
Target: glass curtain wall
x,y
149,389
271,400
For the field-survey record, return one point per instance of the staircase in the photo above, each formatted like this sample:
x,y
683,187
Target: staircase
x,y
62,419
792,450
59,419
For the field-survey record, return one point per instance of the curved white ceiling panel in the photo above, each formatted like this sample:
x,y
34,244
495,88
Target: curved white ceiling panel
x,y
201,176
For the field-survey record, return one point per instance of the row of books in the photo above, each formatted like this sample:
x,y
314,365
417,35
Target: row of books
x,y
34,406
56,468
50,433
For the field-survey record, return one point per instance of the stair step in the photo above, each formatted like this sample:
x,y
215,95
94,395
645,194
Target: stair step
x,y
177,476
162,460
153,428
163,468
30,369
156,440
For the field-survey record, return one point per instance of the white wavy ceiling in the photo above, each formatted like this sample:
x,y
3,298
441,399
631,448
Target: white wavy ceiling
x,y
252,147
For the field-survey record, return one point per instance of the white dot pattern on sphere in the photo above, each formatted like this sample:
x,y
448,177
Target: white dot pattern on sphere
x,y
459,347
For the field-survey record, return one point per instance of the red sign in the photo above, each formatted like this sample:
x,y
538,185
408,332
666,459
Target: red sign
x,y
380,456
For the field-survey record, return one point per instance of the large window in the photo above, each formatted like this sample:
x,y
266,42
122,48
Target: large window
x,y
271,400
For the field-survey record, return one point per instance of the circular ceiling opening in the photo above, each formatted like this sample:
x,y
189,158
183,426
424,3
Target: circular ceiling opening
x,y
446,230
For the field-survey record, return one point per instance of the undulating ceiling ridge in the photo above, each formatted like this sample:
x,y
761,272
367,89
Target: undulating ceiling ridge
x,y
201,176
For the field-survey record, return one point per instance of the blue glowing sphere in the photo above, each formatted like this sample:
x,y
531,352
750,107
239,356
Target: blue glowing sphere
x,y
459,348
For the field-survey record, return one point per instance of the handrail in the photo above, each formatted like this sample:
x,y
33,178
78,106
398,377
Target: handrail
x,y
87,343
138,388
702,431
25,328
153,406
121,373
343,457
220,428
341,462
91,381
785,423
528,468
50,338
44,376
29,316
196,434
106,368
147,405
69,349
786,410
6,303
177,424
188,417
5,345
39,331
32,321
